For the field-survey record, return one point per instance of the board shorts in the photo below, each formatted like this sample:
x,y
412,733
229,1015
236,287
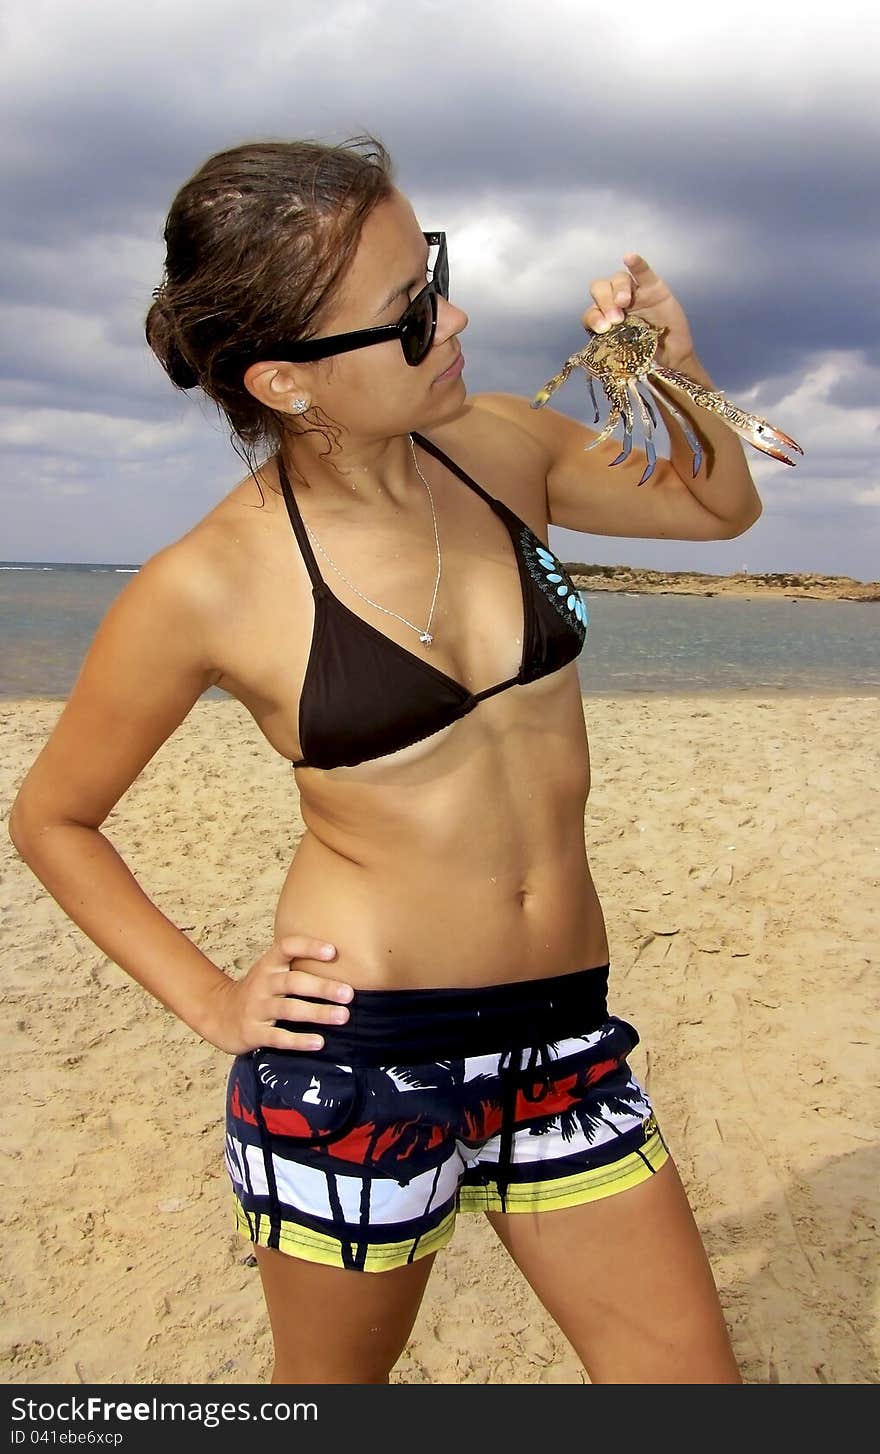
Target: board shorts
x,y
512,1097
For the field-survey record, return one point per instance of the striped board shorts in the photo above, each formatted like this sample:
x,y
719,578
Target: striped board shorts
x,y
512,1097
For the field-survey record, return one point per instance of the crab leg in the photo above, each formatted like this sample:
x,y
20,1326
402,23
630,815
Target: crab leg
x,y
648,420
621,401
626,451
685,426
610,427
750,427
650,408
593,397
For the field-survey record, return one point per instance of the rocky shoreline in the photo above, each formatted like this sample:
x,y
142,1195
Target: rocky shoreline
x,y
696,583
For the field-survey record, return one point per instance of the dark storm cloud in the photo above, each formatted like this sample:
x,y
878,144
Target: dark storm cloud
x,y
743,147
856,391
787,290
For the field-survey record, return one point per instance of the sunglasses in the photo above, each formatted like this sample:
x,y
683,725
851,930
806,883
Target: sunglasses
x,y
415,328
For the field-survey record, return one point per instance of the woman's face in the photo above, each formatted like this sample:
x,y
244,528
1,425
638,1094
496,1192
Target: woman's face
x,y
373,392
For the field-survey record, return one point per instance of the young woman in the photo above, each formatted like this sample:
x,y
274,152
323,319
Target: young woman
x,y
390,613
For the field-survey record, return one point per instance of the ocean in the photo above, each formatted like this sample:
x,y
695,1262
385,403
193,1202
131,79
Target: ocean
x,y
636,642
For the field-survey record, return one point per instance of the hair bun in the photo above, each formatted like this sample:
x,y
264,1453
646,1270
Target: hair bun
x,y
160,335
179,371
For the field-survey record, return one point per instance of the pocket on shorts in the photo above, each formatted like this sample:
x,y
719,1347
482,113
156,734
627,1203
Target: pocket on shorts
x,y
631,1031
306,1101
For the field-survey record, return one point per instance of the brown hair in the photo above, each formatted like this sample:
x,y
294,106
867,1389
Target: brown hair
x,y
256,242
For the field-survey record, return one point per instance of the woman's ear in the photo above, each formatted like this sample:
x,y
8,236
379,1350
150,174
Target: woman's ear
x,y
277,385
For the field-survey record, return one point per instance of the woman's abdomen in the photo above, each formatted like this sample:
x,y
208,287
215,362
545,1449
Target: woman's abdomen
x,y
485,915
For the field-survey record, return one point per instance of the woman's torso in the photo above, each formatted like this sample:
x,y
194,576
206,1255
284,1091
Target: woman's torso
x,y
459,859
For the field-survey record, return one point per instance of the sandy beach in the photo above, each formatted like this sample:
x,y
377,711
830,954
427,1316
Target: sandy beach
x,y
735,845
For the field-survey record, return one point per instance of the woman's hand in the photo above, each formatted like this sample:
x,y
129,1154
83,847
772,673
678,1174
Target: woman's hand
x,y
639,290
242,1015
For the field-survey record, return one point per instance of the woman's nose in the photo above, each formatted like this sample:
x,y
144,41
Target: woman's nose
x,y
450,320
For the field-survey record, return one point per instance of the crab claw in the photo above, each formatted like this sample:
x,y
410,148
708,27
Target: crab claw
x,y
750,427
764,437
552,385
575,360
759,433
543,395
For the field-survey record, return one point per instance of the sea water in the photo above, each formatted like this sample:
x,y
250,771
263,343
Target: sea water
x,y
636,641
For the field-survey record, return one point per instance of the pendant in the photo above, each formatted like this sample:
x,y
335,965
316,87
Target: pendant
x,y
426,638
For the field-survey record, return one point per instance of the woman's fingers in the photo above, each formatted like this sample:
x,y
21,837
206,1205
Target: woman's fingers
x,y
297,995
613,297
286,1006
274,1038
300,946
280,1004
651,288
642,272
288,981
300,995
622,289
315,986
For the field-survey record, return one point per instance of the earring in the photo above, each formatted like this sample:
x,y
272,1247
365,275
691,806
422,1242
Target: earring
x,y
299,406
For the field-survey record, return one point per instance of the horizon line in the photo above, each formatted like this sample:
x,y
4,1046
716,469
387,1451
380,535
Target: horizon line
x,y
573,568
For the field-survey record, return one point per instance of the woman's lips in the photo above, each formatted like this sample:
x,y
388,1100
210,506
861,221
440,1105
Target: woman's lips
x,y
453,371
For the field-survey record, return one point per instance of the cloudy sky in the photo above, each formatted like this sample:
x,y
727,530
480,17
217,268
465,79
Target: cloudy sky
x,y
735,148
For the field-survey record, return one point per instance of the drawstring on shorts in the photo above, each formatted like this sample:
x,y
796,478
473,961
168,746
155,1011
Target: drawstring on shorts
x,y
515,1077
266,1146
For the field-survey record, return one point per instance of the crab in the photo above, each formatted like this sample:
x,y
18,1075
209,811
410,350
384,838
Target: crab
x,y
624,357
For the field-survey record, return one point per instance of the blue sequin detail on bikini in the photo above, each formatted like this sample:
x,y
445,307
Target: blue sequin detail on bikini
x,y
554,581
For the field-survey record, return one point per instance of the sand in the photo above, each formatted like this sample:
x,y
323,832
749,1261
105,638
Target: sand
x,y
735,845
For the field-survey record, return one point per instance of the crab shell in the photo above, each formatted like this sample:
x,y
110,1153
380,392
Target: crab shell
x,y
625,349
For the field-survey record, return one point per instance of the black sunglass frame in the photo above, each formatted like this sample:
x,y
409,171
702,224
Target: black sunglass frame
x,y
310,349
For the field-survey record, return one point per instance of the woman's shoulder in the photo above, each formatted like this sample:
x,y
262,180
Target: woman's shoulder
x,y
503,422
492,440
236,530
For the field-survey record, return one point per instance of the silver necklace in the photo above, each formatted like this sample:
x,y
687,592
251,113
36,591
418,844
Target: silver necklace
x,y
424,636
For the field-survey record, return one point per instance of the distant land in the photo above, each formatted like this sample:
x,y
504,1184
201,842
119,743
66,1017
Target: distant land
x,y
620,578
695,583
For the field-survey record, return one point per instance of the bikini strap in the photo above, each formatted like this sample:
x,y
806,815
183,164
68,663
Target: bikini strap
x,y
298,523
299,528
438,453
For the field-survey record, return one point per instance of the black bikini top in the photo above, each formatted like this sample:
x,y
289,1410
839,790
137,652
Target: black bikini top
x,y
365,695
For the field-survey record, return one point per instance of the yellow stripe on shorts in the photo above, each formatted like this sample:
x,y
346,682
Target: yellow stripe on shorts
x,y
316,1247
570,1191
